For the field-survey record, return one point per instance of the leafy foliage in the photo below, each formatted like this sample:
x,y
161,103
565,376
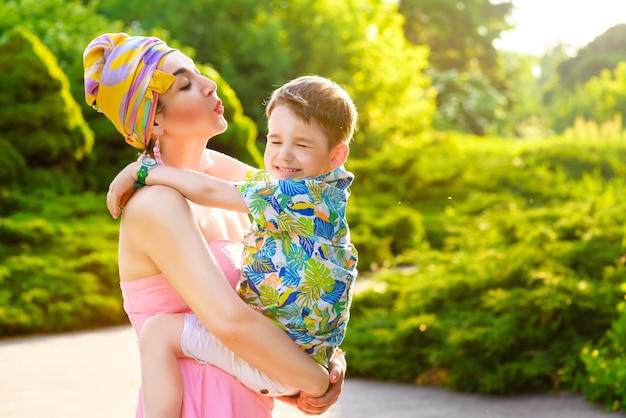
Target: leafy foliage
x,y
460,33
258,46
486,265
603,53
517,268
58,265
604,367
600,99
38,116
466,102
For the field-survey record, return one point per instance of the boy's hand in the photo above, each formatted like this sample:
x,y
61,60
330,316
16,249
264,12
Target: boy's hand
x,y
121,189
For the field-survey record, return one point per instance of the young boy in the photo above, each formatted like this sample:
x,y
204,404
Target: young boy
x,y
298,264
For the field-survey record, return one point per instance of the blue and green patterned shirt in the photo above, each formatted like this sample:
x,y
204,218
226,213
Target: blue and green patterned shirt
x,y
298,265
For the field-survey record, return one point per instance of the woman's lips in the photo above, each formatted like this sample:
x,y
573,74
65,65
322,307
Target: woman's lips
x,y
219,108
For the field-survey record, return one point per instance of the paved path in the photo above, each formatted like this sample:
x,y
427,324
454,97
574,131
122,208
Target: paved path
x,y
96,375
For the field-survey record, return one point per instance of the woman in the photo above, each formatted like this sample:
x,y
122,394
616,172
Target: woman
x,y
158,100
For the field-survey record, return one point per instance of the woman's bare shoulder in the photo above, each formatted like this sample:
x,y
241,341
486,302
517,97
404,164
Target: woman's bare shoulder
x,y
154,204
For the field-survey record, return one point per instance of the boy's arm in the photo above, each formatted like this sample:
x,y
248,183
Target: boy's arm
x,y
227,168
121,188
200,188
197,187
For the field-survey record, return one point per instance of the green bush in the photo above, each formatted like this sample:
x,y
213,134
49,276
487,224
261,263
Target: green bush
x,y
381,234
41,121
59,265
518,268
601,370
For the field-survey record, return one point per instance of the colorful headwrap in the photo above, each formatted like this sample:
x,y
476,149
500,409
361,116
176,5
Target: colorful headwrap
x,y
123,81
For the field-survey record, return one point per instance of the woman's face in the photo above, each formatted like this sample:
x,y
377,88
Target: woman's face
x,y
190,107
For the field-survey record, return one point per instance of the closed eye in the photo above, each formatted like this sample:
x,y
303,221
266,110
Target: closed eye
x,y
271,140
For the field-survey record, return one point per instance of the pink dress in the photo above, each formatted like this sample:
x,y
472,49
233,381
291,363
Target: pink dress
x,y
208,391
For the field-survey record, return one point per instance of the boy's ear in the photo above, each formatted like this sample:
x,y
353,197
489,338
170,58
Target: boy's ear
x,y
339,155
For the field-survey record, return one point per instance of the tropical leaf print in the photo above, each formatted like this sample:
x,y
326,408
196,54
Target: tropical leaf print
x,y
262,265
287,298
254,278
296,256
268,248
257,175
343,184
300,335
289,276
268,295
323,318
307,244
323,229
293,187
333,196
256,204
336,338
290,270
294,225
306,226
315,190
341,309
318,281
290,314
274,203
334,295
321,357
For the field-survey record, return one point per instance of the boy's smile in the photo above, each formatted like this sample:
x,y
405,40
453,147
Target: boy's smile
x,y
295,149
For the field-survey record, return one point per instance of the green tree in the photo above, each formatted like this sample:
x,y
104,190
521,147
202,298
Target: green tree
x,y
466,102
258,46
604,52
465,66
39,118
600,99
361,45
460,33
524,92
66,27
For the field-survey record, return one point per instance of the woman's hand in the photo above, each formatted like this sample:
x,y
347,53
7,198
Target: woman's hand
x,y
316,406
121,189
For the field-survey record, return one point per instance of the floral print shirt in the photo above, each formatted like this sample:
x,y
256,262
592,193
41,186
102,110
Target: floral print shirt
x,y
298,265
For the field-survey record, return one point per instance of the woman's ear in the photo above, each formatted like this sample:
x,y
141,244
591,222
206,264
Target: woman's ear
x,y
339,155
157,130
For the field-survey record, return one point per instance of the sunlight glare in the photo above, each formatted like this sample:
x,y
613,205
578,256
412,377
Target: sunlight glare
x,y
541,24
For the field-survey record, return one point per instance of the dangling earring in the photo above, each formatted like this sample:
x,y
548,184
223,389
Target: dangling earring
x,y
156,150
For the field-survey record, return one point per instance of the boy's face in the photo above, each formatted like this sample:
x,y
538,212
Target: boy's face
x,y
295,149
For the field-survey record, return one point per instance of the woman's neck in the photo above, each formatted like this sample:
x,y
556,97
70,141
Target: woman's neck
x,y
183,154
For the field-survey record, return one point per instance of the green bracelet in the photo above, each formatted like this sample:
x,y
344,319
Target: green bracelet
x,y
146,165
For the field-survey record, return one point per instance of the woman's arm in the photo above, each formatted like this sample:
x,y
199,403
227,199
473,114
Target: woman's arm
x,y
172,239
318,405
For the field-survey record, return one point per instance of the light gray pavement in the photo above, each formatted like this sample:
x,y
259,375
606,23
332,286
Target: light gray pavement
x,y
95,374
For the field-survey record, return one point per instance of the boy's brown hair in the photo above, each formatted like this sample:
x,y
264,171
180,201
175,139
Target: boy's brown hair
x,y
317,99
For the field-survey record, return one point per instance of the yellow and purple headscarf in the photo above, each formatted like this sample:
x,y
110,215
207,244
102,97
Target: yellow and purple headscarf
x,y
123,80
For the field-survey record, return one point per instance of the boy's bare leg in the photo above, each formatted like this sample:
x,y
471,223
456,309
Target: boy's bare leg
x,y
159,347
